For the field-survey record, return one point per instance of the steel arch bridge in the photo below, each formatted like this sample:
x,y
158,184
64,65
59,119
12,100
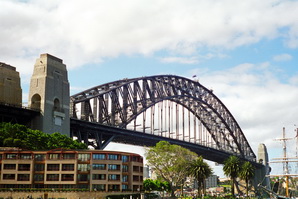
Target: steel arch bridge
x,y
165,107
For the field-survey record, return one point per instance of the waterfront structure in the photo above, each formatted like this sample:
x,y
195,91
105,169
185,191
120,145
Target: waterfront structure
x,y
71,169
49,93
10,86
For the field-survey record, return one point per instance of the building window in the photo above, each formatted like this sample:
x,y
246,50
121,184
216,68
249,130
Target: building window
x,y
98,176
113,177
136,169
98,166
56,104
98,156
125,158
99,187
67,167
39,167
114,167
114,187
24,167
11,156
137,159
26,156
112,157
9,166
23,177
135,178
124,178
84,157
9,176
124,168
124,187
38,177
83,186
83,177
54,156
135,188
53,167
39,157
67,177
52,177
70,156
83,167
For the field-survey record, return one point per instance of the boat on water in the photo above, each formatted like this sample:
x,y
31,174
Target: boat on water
x,y
281,187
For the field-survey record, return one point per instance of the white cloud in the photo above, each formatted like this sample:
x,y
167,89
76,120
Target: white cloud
x,y
282,57
182,60
83,32
261,104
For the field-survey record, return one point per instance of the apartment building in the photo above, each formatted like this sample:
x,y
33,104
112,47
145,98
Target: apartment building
x,y
66,169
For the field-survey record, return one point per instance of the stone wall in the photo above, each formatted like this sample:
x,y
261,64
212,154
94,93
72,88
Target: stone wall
x,y
56,195
61,195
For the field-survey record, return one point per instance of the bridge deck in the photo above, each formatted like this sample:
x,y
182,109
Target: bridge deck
x,y
143,139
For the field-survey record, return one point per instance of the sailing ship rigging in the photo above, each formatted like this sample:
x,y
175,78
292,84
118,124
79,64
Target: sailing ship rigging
x,y
285,160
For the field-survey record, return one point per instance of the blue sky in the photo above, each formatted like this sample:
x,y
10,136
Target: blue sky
x,y
246,51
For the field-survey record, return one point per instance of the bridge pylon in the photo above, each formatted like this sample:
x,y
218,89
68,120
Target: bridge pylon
x,y
49,92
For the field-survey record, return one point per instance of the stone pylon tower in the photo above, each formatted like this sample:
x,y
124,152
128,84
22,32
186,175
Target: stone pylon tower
x,y
49,92
263,158
10,86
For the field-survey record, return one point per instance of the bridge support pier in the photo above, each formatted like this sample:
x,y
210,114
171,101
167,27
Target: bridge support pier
x,y
261,177
49,92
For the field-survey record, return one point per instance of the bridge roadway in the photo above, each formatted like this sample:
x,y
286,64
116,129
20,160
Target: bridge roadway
x,y
91,130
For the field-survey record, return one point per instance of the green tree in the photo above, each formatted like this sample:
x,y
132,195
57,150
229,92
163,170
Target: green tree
x,y
16,135
246,173
155,185
149,185
200,170
169,162
231,169
163,185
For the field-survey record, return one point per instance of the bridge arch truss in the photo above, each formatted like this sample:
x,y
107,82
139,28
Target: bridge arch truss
x,y
165,105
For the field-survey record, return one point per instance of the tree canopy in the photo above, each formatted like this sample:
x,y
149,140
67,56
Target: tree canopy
x,y
246,173
200,170
155,185
231,169
16,135
170,162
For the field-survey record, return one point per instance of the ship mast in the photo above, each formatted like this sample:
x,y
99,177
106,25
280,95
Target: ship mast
x,y
285,160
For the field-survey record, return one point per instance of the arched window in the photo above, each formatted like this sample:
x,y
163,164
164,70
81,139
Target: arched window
x,y
56,104
35,101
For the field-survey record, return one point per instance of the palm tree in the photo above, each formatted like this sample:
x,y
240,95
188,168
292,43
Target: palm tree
x,y
200,170
247,172
231,169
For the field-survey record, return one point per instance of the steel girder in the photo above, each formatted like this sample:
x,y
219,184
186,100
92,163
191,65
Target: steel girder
x,y
120,102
